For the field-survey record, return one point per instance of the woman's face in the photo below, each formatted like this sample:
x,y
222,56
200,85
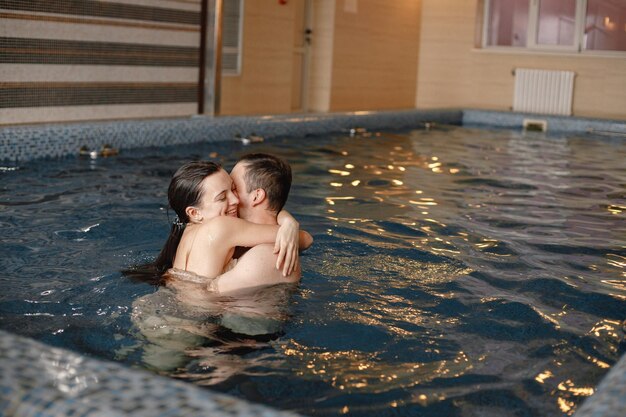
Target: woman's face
x,y
218,196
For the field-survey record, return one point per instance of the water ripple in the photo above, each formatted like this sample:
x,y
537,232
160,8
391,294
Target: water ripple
x,y
455,272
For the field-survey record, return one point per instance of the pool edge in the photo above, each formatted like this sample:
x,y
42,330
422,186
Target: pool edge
x,y
555,124
30,142
609,396
46,381
23,143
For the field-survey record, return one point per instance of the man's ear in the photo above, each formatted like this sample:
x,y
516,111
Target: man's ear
x,y
258,197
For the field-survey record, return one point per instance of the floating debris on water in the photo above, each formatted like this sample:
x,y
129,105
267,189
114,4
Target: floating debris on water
x,y
361,132
108,150
85,151
251,138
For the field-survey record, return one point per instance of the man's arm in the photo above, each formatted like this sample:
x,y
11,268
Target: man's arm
x,y
255,268
231,232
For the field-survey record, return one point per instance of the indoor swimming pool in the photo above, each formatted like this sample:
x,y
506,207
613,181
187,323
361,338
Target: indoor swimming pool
x,y
456,271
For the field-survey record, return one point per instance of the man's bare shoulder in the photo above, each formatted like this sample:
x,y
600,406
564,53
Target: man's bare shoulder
x,y
257,267
262,259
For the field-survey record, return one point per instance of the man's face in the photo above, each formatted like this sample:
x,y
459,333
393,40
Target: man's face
x,y
245,198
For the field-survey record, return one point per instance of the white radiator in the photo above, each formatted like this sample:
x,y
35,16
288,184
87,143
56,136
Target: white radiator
x,y
542,91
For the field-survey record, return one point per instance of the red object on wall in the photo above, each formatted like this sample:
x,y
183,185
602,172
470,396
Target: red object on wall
x,y
283,2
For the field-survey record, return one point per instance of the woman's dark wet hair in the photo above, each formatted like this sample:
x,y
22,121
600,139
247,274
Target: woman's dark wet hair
x,y
184,191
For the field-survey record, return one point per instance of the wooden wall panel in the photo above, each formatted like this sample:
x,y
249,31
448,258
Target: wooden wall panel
x,y
264,86
376,45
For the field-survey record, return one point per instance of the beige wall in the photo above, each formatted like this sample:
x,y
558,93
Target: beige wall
x,y
452,73
362,58
264,86
321,66
376,45
365,55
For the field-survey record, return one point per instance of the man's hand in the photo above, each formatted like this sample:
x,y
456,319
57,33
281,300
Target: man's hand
x,y
287,243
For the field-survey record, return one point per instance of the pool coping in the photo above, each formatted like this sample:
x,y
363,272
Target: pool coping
x,y
46,381
31,142
20,143
555,124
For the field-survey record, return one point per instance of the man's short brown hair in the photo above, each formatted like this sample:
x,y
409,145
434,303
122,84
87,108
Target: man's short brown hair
x,y
269,173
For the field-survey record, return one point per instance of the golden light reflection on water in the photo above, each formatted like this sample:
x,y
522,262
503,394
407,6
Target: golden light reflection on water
x,y
606,328
396,181
615,209
569,387
566,406
543,376
547,317
616,260
339,172
361,372
391,192
421,202
598,362
331,200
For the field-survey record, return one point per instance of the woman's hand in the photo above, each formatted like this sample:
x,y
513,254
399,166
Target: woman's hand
x,y
287,243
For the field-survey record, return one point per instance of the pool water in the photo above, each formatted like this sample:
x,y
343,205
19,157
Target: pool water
x,y
455,272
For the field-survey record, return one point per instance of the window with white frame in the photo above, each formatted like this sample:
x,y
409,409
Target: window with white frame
x,y
556,25
232,24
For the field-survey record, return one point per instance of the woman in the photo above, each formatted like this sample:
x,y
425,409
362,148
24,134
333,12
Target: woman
x,y
206,231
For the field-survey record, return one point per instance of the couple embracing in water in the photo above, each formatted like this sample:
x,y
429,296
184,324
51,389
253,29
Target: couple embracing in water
x,y
219,216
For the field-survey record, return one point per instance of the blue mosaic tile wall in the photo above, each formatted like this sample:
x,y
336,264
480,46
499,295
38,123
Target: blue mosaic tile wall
x,y
22,143
39,380
556,124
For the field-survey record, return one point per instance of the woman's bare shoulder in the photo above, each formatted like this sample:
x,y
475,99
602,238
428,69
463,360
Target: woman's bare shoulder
x,y
226,223
218,228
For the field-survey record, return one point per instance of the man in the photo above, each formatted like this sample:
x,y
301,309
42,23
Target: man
x,y
263,182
